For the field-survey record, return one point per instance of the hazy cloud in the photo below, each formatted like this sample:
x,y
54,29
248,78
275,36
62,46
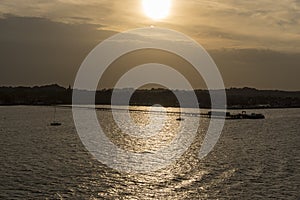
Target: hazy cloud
x,y
40,51
243,24
254,43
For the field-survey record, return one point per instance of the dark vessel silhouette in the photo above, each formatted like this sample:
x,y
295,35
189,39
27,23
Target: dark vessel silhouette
x,y
55,123
228,115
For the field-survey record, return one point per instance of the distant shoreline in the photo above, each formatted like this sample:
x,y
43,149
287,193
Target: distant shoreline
x,y
237,98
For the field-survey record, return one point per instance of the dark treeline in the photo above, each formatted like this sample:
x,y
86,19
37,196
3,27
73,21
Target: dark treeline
x,y
236,97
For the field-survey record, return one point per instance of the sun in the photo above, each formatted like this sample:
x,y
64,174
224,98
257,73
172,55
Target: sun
x,y
157,9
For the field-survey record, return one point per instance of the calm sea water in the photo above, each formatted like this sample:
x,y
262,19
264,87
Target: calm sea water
x,y
253,159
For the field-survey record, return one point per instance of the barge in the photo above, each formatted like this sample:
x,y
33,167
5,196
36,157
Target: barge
x,y
228,115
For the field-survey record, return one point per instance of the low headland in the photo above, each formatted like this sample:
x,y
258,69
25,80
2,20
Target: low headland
x,y
237,98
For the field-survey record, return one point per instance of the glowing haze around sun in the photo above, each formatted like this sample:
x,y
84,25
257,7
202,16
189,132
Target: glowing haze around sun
x,y
157,9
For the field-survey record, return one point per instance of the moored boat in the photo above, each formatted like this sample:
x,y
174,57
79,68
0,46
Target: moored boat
x,y
228,115
55,123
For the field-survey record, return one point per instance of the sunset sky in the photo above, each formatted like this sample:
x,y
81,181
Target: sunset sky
x,y
254,43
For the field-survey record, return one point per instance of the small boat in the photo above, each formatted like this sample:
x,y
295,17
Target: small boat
x,y
55,123
228,115
244,115
252,116
179,119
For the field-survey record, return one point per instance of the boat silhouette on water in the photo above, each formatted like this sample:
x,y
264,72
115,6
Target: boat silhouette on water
x,y
55,123
228,115
244,115
179,119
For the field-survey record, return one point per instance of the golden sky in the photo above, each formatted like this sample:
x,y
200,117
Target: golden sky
x,y
266,24
254,43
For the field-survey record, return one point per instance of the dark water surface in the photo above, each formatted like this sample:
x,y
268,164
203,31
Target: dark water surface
x,y
253,159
